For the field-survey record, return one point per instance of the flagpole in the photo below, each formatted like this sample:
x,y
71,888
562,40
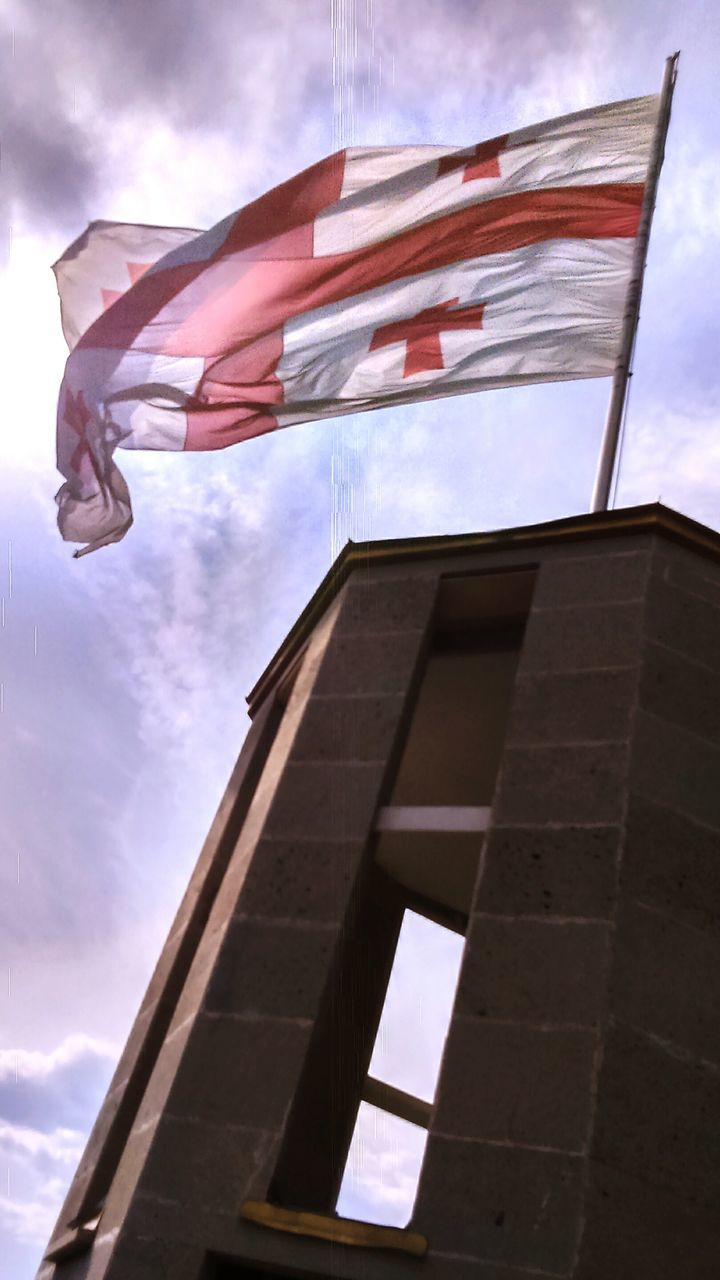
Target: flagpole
x,y
613,422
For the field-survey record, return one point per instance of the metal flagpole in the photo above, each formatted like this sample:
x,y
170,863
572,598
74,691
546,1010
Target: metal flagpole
x,y
606,463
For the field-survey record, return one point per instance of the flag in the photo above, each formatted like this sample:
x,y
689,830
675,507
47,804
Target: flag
x,y
379,276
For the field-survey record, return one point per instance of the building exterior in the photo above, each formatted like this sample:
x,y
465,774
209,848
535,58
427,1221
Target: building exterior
x,y
518,735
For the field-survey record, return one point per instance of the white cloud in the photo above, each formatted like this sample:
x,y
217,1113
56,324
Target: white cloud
x,y
31,1221
184,594
38,1152
62,1088
17,1141
33,1064
383,1168
672,455
688,208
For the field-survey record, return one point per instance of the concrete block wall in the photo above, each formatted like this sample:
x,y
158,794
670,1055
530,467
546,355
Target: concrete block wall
x,y
208,1130
577,1126
653,1199
505,1173
576,1131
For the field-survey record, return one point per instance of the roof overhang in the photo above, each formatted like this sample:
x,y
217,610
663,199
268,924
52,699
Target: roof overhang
x,y
652,518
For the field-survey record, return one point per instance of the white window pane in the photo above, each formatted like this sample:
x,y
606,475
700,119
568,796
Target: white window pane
x,y
418,1004
383,1169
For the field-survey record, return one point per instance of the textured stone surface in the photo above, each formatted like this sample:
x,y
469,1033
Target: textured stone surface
x,y
676,768
300,880
297,1256
581,637
399,605
561,784
635,1231
239,1070
501,1204
666,980
680,690
553,870
324,802
515,1083
658,1117
193,1160
684,569
579,706
160,1218
150,1259
271,970
683,621
355,728
593,579
534,971
369,664
673,863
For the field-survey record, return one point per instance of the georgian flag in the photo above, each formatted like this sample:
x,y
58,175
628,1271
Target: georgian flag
x,y
379,276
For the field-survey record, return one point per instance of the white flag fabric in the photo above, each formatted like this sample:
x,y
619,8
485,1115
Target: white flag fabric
x,y
378,276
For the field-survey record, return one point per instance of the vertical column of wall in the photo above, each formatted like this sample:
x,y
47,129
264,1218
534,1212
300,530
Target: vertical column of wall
x,y
504,1176
654,1197
252,996
131,1076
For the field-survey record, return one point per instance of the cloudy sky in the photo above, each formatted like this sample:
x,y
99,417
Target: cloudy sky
x,y
123,675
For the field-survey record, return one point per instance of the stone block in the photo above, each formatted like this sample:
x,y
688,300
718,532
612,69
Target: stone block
x,y
239,1071
271,970
692,572
534,971
195,1162
684,692
160,1218
503,1205
634,1231
672,863
583,637
148,1258
658,1117
514,1083
369,664
353,728
676,769
578,706
566,785
324,801
594,579
398,605
300,880
683,621
299,1256
666,980
549,870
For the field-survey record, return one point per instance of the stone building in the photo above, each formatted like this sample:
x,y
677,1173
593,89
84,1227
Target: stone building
x,y
516,735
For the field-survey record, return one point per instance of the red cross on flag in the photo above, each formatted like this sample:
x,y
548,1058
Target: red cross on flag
x,y
377,277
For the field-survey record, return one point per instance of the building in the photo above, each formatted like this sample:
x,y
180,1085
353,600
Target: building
x,y
518,735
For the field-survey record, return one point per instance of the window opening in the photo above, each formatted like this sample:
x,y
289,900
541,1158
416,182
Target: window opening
x,y
356,1131
388,1143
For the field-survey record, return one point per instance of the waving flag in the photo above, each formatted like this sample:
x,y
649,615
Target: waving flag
x,y
378,276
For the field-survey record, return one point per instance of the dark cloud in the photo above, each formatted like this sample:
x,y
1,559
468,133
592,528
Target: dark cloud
x,y
47,159
75,72
72,74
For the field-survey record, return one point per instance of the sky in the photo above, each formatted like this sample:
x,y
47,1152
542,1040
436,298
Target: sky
x,y
123,675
